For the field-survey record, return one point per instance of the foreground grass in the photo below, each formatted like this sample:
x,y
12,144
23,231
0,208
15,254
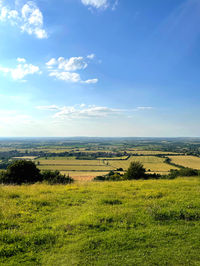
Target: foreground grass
x,y
116,223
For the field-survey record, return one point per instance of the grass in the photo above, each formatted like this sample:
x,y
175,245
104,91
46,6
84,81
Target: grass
x,y
186,161
90,223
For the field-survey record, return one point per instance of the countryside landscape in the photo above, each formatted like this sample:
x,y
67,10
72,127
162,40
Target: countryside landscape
x,y
99,133
148,221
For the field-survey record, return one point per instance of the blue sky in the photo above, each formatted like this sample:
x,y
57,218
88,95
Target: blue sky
x,y
100,68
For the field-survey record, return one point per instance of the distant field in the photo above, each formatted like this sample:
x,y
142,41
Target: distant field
x,y
186,161
151,163
25,157
83,176
76,167
149,152
59,161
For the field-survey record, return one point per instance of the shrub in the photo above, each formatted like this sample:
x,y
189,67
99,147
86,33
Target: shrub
x,y
111,176
21,171
55,177
135,171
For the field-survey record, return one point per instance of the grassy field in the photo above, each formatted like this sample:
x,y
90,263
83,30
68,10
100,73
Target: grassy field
x,y
116,223
186,161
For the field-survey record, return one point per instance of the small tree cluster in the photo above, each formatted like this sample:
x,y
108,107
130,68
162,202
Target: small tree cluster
x,y
22,171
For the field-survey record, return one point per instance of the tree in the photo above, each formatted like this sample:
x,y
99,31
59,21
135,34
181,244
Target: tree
x,y
22,171
135,171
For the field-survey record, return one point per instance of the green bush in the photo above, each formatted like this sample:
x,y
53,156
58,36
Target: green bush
x,y
21,171
55,177
111,176
135,171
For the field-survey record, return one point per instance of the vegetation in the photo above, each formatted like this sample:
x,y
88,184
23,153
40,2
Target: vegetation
x,y
55,177
21,171
25,172
135,171
153,222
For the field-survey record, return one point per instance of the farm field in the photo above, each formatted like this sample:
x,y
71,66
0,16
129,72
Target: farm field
x,y
154,222
151,163
83,176
186,161
145,152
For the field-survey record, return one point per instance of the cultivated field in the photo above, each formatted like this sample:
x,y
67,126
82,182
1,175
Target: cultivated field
x,y
91,168
151,163
186,161
149,152
94,223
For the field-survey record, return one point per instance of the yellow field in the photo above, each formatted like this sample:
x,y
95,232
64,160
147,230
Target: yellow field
x,y
186,161
77,167
150,152
83,176
151,163
25,157
72,162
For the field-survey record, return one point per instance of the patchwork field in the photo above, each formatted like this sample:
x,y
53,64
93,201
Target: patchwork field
x,y
186,161
92,168
151,163
116,223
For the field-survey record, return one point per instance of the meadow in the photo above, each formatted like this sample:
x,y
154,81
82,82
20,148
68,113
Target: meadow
x,y
154,222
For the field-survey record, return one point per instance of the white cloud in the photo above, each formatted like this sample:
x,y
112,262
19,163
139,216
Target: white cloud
x,y
52,62
29,19
65,69
100,4
21,60
66,76
90,81
72,64
91,56
21,70
80,111
96,3
140,108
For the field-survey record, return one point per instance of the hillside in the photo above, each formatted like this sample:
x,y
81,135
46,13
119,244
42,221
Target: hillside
x,y
117,223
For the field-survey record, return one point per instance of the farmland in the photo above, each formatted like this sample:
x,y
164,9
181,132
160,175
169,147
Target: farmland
x,y
83,159
152,222
186,161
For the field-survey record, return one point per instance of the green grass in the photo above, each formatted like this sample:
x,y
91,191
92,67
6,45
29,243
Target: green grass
x,y
112,223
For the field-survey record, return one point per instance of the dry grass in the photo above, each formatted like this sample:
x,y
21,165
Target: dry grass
x,y
186,161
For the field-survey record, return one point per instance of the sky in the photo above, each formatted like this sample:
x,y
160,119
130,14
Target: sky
x,y
100,68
